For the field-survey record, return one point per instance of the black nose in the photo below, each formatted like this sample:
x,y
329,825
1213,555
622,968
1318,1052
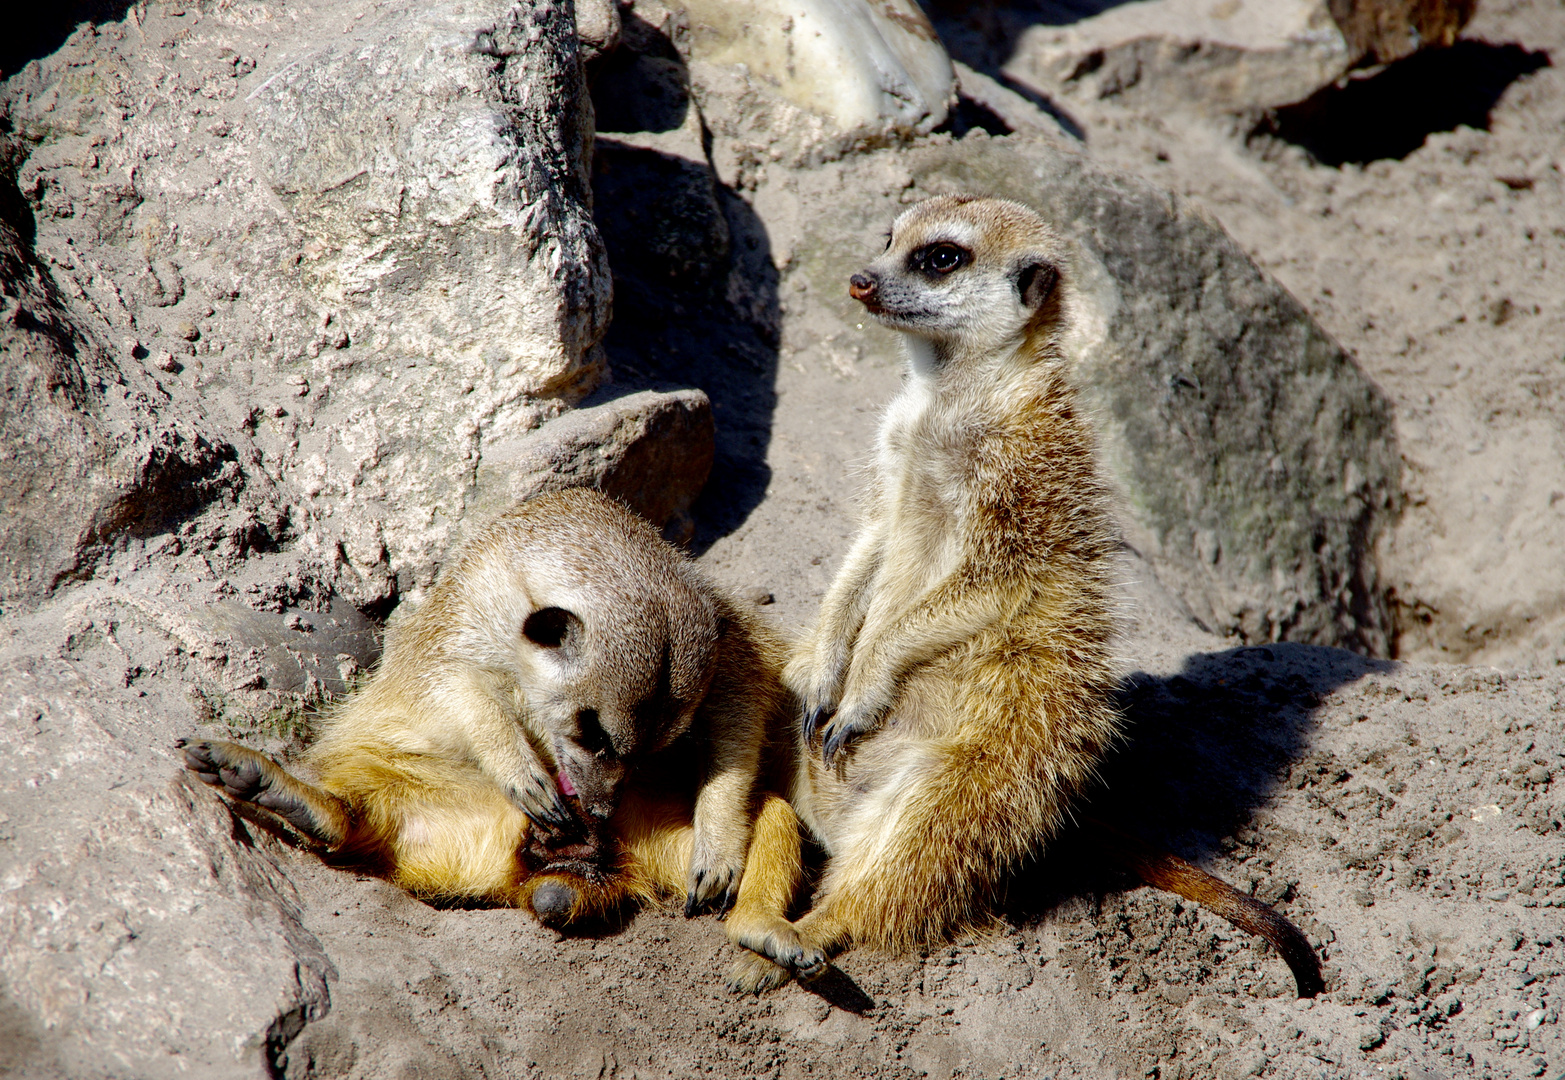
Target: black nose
x,y
862,287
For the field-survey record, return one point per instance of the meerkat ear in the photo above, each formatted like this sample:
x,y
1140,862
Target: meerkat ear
x,y
551,627
1036,282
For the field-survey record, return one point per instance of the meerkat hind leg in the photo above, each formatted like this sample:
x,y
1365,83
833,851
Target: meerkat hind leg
x,y
758,922
248,776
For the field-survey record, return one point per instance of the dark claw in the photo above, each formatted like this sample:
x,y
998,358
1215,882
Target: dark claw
x,y
835,741
553,819
553,816
198,759
813,719
692,904
561,809
811,970
726,903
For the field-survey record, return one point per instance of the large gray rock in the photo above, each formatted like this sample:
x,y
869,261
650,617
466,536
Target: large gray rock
x,y
435,162
270,299
1257,462
362,246
143,931
85,461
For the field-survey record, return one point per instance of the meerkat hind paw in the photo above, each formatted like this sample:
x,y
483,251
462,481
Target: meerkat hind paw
x,y
752,973
782,946
239,771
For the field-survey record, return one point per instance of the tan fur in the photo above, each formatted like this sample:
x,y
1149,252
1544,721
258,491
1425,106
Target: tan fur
x,y
429,775
961,658
961,661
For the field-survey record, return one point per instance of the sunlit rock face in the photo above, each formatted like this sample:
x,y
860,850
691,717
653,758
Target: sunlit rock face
x,y
863,72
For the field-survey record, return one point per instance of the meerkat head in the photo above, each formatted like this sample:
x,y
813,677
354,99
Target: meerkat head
x,y
608,637
965,275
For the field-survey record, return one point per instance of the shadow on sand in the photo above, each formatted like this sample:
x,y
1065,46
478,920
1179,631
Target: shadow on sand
x,y
1389,114
1205,750
695,291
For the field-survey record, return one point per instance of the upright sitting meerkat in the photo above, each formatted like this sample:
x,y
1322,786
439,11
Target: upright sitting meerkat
x,y
566,659
959,676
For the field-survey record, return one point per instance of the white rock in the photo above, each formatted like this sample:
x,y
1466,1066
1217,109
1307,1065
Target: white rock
x,y
872,70
436,164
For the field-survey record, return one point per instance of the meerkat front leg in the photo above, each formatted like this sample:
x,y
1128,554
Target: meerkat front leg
x,y
507,756
722,813
949,614
816,671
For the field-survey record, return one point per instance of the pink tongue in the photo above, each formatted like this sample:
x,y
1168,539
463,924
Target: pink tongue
x,y
565,783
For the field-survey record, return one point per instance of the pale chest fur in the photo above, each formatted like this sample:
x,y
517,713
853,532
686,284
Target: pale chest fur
x,y
921,499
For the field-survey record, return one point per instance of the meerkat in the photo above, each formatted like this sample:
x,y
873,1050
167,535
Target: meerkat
x,y
959,676
574,717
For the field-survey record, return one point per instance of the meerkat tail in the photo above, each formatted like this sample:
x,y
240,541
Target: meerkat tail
x,y
1167,871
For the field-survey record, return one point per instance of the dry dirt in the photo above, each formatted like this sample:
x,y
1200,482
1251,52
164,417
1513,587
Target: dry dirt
x,y
1407,814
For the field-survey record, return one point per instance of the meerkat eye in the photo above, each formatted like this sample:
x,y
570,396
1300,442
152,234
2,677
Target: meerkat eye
x,y
593,738
939,259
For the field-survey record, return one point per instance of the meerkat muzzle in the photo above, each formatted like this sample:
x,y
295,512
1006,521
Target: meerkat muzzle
x,y
863,288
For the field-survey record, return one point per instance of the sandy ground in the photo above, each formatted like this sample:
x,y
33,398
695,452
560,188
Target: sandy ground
x,y
1407,815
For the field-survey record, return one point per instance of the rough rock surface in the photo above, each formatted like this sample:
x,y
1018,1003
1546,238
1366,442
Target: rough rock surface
x,y
651,451
1237,56
363,240
873,70
1408,815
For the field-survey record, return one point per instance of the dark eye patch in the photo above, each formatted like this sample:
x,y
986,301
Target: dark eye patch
x,y
593,738
939,259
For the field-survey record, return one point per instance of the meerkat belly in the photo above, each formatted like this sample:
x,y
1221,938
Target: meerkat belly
x,y
923,543
845,807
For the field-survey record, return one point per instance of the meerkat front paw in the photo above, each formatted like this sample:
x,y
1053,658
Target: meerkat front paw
x,y
537,796
817,683
853,719
713,881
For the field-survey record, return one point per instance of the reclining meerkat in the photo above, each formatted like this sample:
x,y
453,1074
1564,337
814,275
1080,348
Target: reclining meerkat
x,y
960,676
566,657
